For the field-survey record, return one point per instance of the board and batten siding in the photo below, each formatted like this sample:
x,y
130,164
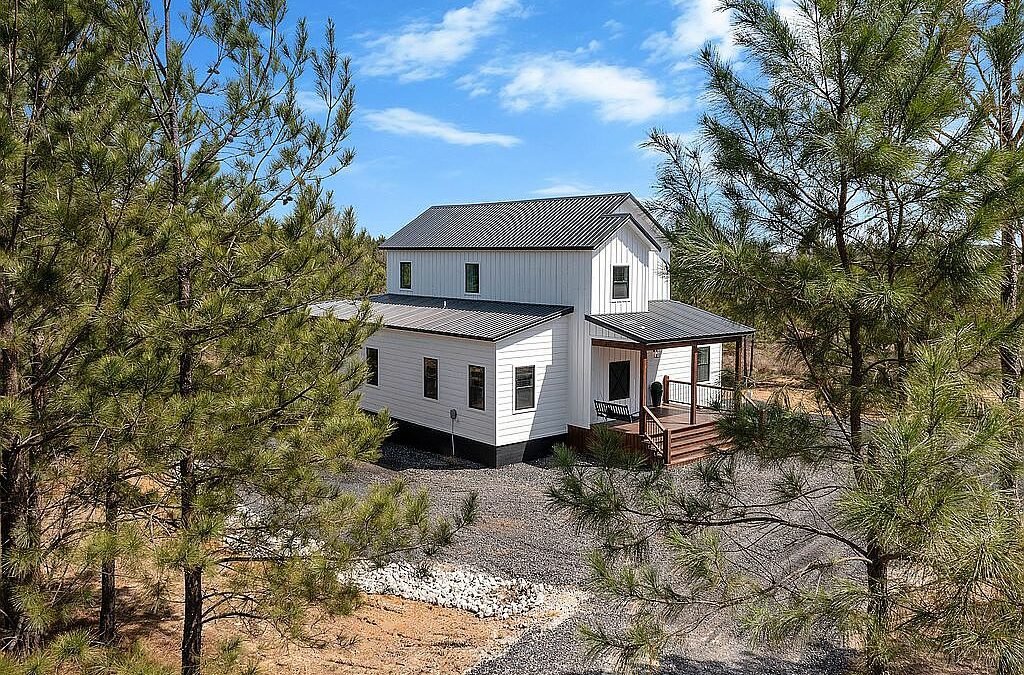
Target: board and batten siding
x,y
400,381
540,277
648,279
545,347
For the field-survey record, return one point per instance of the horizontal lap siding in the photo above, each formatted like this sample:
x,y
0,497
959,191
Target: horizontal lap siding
x,y
547,349
672,362
676,364
400,378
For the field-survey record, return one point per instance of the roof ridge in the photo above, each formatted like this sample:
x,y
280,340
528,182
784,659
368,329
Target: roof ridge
x,y
532,199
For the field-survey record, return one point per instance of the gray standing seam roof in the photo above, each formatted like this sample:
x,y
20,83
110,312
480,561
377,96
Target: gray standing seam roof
x,y
488,320
670,321
582,222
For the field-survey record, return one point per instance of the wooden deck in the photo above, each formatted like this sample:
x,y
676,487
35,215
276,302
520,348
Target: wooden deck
x,y
686,442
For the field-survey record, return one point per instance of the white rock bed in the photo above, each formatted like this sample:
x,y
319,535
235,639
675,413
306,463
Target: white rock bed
x,y
481,594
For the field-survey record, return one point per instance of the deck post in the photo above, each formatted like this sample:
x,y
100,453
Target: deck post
x,y
643,385
664,390
693,383
741,350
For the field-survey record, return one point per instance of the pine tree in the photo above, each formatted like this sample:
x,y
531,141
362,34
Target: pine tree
x,y
66,218
995,55
260,412
841,193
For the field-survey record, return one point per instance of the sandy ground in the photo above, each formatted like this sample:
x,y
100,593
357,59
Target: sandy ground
x,y
386,635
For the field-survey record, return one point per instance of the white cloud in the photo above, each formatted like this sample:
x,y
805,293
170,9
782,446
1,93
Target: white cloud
x,y
310,101
620,94
410,123
614,27
422,50
699,21
563,190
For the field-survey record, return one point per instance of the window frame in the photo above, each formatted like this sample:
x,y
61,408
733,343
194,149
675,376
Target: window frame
x,y
401,276
483,387
437,378
516,387
465,278
373,372
628,380
616,284
706,350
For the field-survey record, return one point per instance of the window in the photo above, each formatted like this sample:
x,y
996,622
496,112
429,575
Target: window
x,y
618,380
405,275
371,366
620,282
430,378
472,277
703,364
525,388
477,379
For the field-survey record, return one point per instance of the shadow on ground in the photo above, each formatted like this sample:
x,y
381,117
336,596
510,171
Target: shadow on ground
x,y
747,663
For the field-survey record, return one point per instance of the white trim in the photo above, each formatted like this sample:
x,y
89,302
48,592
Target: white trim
x,y
628,282
533,408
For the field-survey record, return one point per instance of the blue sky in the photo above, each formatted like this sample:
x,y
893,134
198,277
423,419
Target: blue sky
x,y
476,100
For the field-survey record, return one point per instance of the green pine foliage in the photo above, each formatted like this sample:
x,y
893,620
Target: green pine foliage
x,y
175,416
843,194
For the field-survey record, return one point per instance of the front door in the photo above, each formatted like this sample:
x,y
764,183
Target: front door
x,y
618,380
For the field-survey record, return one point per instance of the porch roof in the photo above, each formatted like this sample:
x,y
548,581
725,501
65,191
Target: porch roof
x,y
488,320
668,322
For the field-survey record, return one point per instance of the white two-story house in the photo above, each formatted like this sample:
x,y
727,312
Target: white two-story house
x,y
507,327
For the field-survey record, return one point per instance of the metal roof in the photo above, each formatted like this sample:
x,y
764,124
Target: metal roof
x,y
581,222
472,319
670,321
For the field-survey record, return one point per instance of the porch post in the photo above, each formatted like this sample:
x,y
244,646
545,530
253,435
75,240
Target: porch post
x,y
643,385
693,383
741,350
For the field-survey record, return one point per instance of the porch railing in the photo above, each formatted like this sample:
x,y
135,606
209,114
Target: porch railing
x,y
709,396
655,434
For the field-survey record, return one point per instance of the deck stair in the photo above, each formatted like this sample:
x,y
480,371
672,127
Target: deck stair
x,y
692,443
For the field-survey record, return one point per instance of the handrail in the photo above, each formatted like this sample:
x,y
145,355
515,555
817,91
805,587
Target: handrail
x,y
709,396
654,433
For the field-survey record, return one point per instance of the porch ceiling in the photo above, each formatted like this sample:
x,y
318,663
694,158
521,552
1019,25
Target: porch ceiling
x,y
668,322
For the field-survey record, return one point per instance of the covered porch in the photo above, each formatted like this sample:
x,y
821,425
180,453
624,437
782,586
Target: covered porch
x,y
687,351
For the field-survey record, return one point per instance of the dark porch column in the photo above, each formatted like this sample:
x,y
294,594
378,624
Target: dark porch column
x,y
741,352
693,383
643,386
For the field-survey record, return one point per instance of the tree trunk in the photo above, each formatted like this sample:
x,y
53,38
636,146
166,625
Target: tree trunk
x,y
878,605
192,634
108,570
1009,357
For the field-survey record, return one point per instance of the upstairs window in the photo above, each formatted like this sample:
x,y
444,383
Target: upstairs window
x,y
620,282
405,275
472,277
371,366
525,398
477,380
618,380
703,364
430,378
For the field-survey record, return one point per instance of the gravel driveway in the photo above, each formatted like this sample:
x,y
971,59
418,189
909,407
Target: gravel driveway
x,y
516,536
